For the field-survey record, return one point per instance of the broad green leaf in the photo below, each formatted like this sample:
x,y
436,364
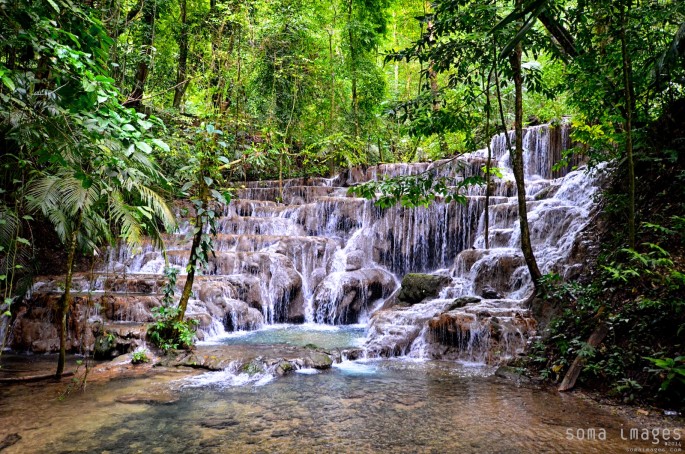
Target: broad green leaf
x,y
144,147
54,5
8,83
161,144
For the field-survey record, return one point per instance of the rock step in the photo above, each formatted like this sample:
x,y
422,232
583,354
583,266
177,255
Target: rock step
x,y
292,195
225,242
289,182
499,238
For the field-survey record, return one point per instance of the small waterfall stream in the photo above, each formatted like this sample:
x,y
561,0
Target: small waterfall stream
x,y
327,258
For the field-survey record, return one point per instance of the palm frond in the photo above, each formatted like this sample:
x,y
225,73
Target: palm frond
x,y
158,206
43,194
126,217
75,196
9,223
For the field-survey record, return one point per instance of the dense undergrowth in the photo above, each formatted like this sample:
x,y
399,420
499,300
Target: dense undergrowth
x,y
639,294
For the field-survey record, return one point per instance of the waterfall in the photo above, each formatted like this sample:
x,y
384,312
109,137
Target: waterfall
x,y
323,256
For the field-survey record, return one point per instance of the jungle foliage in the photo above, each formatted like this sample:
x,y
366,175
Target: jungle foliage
x,y
110,110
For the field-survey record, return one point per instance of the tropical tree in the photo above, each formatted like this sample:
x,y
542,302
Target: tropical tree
x,y
75,155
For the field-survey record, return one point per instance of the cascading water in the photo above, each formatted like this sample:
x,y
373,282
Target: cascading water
x,y
324,257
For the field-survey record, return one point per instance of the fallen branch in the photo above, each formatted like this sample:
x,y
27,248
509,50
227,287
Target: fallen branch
x,y
573,372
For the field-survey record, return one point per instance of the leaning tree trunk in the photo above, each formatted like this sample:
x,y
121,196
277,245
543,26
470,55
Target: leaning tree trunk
x,y
628,116
194,249
181,82
488,164
65,301
526,246
433,80
353,63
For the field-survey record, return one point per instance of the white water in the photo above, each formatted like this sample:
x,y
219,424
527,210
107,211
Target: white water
x,y
325,258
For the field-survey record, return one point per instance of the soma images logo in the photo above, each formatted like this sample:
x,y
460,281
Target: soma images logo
x,y
655,436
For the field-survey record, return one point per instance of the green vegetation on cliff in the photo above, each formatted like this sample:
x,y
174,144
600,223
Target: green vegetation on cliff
x,y
110,110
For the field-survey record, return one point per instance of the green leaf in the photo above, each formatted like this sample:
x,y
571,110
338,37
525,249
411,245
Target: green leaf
x,y
9,83
208,181
161,144
54,5
218,196
144,147
128,127
23,241
145,211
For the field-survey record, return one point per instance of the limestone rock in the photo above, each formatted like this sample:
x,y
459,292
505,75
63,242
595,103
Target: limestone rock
x,y
239,316
343,296
355,261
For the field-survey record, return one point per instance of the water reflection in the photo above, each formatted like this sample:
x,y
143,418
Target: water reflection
x,y
369,406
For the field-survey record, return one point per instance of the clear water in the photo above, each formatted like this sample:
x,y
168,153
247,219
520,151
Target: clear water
x,y
368,406
322,336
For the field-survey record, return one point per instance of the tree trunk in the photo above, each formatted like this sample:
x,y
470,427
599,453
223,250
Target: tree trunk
x,y
433,79
135,99
560,34
181,82
65,301
628,117
331,121
517,161
353,63
194,250
488,164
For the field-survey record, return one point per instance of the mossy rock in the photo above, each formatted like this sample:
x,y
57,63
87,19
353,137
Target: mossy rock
x,y
284,367
416,287
318,360
252,368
